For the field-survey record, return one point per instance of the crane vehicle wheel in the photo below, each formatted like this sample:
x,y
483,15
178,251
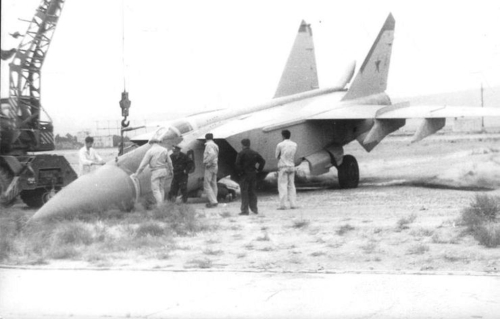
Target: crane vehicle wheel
x,y
35,198
348,172
5,180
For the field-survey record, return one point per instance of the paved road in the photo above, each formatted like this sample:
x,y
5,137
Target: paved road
x,y
159,294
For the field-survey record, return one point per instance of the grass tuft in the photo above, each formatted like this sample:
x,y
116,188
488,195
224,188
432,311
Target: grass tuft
x,y
202,263
302,223
344,229
405,221
150,228
418,249
181,219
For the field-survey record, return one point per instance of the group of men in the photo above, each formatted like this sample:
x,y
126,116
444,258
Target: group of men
x,y
248,164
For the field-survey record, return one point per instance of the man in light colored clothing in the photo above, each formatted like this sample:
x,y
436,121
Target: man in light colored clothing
x,y
210,160
285,153
88,157
161,167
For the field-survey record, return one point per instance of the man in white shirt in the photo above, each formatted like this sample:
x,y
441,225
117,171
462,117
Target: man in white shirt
x,y
161,167
88,157
210,160
285,153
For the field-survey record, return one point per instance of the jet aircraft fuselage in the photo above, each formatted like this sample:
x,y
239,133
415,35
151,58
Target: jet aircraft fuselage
x,y
321,121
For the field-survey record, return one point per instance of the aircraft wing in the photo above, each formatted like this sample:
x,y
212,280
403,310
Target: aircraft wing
x,y
404,111
438,111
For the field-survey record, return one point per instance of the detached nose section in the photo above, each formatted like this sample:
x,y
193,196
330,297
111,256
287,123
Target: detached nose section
x,y
108,187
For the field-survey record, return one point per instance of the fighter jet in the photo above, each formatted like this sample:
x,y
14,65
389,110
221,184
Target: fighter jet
x,y
321,120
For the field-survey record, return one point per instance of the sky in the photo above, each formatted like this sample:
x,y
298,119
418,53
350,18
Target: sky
x,y
180,57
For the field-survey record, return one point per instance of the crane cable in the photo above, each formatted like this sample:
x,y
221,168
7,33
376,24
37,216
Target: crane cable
x,y
124,102
123,47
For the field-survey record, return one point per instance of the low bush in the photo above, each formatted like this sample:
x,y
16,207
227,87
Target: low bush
x,y
418,249
405,221
344,229
150,228
300,223
482,209
72,232
488,235
480,220
181,219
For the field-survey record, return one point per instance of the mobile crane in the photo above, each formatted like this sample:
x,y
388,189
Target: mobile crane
x,y
22,131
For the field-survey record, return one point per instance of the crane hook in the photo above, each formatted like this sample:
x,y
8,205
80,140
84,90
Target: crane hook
x,y
125,124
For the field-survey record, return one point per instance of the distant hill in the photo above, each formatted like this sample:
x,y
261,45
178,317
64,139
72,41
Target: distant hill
x,y
491,98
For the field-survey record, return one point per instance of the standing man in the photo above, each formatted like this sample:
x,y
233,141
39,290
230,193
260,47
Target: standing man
x,y
285,153
246,165
210,160
161,166
88,156
182,165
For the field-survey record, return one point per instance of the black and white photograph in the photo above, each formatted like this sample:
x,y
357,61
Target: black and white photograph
x,y
250,159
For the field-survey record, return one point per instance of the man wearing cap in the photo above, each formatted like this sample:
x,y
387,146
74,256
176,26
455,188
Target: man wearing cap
x,y
182,165
161,166
210,160
246,166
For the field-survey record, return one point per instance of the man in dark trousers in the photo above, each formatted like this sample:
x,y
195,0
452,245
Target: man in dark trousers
x,y
182,165
246,166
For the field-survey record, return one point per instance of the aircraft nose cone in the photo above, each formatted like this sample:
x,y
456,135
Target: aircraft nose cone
x,y
107,187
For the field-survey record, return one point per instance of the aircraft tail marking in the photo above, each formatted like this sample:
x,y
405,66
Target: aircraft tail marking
x,y
372,76
300,73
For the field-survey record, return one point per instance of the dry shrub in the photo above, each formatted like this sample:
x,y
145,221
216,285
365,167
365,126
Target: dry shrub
x,y
212,252
344,229
318,253
369,247
150,228
300,223
480,219
488,235
63,252
418,249
181,219
7,234
203,263
482,209
11,227
405,221
72,233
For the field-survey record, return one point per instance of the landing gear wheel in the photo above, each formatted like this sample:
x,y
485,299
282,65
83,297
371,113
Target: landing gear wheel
x,y
5,180
35,198
348,172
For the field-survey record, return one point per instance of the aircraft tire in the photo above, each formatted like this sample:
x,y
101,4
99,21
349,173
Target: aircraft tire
x,y
348,172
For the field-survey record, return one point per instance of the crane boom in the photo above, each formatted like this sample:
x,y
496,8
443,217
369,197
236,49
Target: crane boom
x,y
25,80
22,130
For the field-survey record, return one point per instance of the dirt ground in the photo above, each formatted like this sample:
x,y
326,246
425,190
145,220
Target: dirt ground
x,y
403,217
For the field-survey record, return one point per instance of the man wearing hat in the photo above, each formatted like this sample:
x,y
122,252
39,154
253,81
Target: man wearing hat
x,y
161,166
246,166
182,166
210,160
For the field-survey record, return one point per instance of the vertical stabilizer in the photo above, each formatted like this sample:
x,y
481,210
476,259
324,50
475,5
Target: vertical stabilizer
x,y
372,76
300,73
